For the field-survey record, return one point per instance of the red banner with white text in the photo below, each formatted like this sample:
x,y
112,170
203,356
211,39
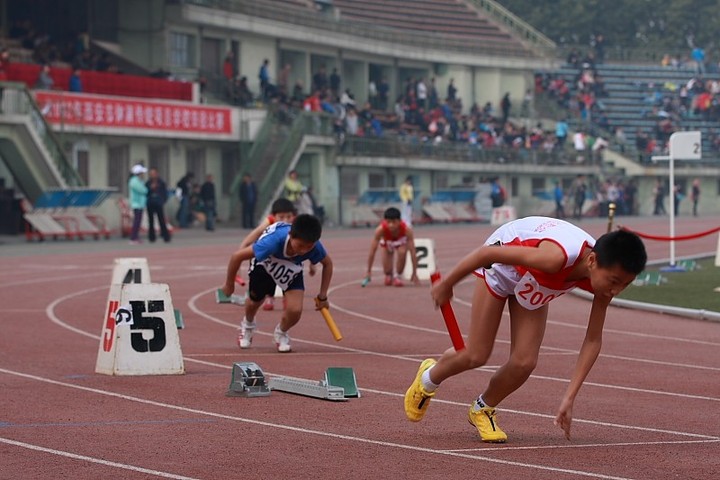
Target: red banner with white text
x,y
99,111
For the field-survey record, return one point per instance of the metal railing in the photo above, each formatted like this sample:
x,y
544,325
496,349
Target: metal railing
x,y
518,26
281,136
404,147
17,100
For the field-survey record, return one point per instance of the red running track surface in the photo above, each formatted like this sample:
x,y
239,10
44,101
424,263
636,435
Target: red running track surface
x,y
650,408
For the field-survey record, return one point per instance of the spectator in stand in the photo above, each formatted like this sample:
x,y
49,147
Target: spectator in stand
x,y
284,80
248,199
320,80
138,200
351,122
433,99
44,81
312,103
156,198
242,94
207,195
698,56
335,81
75,81
372,93
264,77
629,194
347,100
421,94
451,91
229,73
505,105
383,90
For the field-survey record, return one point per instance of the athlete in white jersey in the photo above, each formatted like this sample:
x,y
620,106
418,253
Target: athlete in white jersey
x,y
527,263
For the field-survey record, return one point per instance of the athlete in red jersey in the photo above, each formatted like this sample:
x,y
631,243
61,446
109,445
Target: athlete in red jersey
x,y
393,235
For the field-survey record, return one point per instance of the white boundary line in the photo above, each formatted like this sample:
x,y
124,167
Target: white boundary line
x,y
100,461
321,433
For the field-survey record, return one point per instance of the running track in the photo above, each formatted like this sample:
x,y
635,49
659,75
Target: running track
x,y
650,408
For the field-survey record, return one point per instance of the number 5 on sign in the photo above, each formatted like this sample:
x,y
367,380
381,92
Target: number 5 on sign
x,y
425,251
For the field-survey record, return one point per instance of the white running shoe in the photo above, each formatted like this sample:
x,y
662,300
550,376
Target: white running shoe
x,y
245,333
282,340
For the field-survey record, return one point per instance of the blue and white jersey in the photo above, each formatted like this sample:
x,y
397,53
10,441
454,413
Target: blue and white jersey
x,y
271,253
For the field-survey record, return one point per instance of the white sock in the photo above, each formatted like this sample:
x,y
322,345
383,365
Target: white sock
x,y
249,323
479,404
427,384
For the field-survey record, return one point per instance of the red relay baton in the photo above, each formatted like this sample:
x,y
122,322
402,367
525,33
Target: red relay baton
x,y
450,320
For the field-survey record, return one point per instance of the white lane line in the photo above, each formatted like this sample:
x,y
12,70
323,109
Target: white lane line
x,y
585,445
100,461
337,436
413,358
504,410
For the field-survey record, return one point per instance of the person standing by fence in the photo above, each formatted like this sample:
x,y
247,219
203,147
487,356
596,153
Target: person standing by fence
x,y
248,199
207,195
156,198
138,200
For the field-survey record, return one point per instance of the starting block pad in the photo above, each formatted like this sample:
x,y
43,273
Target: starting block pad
x,y
343,377
248,380
220,297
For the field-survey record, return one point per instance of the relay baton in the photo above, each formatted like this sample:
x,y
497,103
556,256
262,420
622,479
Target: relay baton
x,y
365,281
239,280
330,322
450,320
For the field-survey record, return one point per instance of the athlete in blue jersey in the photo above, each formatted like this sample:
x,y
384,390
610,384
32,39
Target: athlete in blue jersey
x,y
278,257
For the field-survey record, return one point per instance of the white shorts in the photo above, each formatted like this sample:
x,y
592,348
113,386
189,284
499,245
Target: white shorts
x,y
501,279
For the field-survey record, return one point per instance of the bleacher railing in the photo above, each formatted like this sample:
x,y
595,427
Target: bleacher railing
x,y
273,170
518,26
17,100
457,152
326,22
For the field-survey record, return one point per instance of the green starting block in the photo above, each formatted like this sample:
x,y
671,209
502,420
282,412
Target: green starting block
x,y
220,297
248,380
649,278
688,265
343,377
179,322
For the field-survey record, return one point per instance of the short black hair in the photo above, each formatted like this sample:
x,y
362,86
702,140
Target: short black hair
x,y
391,213
623,248
306,227
283,205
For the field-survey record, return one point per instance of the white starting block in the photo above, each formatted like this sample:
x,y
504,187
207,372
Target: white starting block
x,y
139,334
501,215
425,251
248,380
130,270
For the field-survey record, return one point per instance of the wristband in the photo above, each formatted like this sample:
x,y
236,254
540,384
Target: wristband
x,y
321,299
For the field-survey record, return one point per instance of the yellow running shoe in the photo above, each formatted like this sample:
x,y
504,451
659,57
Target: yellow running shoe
x,y
417,400
486,424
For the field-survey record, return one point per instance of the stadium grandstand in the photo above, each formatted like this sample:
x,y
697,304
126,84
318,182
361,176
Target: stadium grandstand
x,y
462,96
